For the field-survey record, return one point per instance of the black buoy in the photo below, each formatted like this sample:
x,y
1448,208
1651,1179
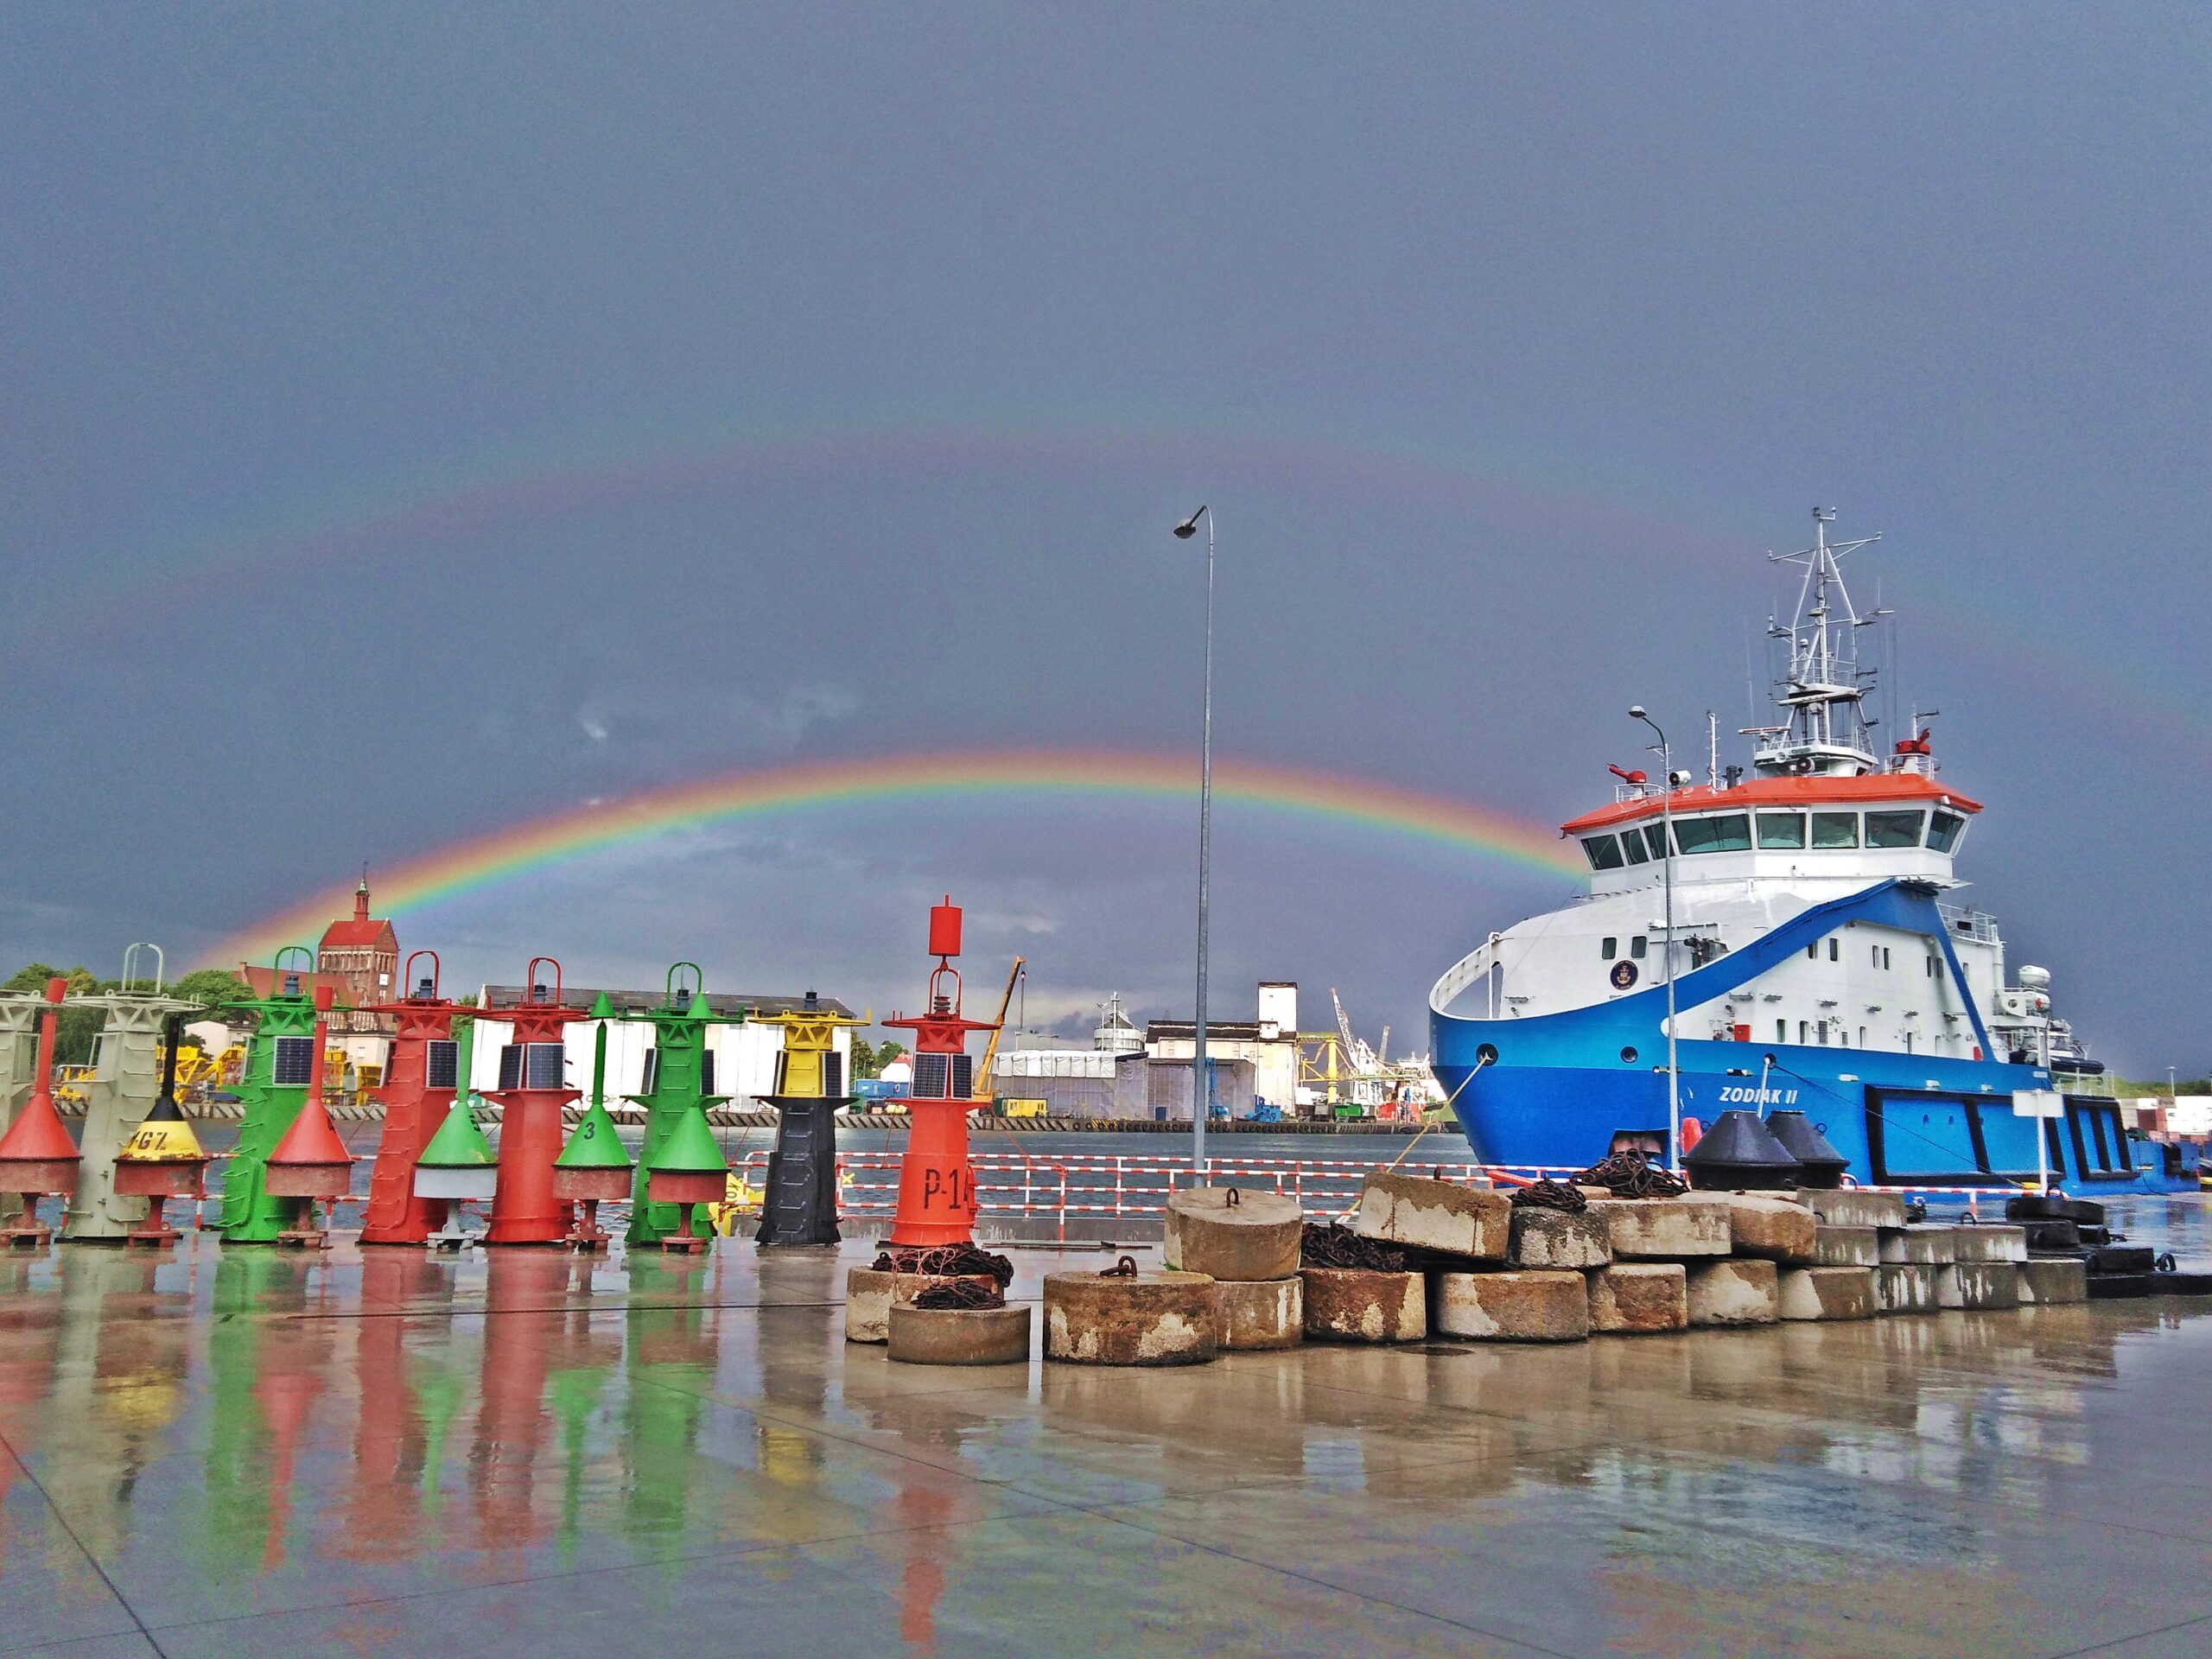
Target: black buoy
x,y
1822,1164
1738,1154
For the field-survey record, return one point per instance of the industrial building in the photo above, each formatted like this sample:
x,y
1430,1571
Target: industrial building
x,y
1125,1075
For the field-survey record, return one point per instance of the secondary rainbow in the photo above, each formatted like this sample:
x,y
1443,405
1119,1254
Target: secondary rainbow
x,y
503,855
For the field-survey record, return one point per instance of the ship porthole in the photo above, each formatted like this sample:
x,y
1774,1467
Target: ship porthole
x,y
1486,1055
1627,1057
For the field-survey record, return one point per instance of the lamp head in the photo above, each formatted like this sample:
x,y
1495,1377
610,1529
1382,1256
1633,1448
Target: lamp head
x,y
1189,527
1636,711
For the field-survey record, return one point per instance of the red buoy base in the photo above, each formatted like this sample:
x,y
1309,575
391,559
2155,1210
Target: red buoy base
x,y
179,1179
28,1175
26,1232
307,1180
587,1236
153,1233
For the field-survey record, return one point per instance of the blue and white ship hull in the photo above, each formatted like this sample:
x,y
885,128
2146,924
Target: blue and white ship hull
x,y
1557,1090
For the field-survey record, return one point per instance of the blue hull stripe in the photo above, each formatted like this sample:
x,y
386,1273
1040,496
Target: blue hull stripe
x,y
1561,1084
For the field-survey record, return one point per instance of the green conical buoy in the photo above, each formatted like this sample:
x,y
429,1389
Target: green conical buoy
x,y
699,1010
602,1008
690,1148
459,1144
593,1145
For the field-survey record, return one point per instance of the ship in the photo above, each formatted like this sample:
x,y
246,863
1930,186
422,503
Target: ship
x,y
1788,936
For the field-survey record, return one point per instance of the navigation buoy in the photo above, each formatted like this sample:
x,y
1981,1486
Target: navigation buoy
x,y
425,1071
163,1158
310,1164
687,1169
799,1206
37,1156
594,1166
937,1184
533,1091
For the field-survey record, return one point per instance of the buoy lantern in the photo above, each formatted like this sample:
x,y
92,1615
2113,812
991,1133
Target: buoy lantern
x,y
687,1169
37,1156
163,1158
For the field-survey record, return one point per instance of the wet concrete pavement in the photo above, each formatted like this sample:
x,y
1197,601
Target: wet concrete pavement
x,y
246,1451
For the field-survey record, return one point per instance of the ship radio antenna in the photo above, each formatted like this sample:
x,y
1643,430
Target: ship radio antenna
x,y
1824,690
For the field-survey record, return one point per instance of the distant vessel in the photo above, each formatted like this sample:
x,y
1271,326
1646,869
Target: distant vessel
x,y
1819,963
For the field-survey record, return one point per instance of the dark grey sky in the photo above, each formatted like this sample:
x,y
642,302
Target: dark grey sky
x,y
419,417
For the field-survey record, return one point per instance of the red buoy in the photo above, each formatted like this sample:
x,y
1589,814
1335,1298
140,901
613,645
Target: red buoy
x,y
533,1089
937,1185
421,1075
37,1156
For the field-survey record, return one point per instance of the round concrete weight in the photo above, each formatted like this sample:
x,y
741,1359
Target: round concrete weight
x,y
1145,1318
1258,1315
1363,1305
959,1336
1232,1232
869,1297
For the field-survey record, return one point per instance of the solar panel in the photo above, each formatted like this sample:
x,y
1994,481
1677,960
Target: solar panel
x,y
442,1066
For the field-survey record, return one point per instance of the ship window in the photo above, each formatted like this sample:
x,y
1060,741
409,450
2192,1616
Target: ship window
x,y
1604,852
1894,829
1608,946
1943,831
1654,838
1781,1030
1635,947
1783,831
1632,844
1832,831
1813,951
1804,1032
1724,832
1835,952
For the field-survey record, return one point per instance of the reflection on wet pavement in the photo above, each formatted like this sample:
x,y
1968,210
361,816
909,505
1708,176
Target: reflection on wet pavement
x,y
248,1450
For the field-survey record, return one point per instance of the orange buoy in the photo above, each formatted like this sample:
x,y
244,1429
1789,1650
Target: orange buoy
x,y
936,1183
37,1156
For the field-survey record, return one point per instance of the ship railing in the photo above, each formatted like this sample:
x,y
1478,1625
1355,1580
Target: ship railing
x,y
1968,923
1471,969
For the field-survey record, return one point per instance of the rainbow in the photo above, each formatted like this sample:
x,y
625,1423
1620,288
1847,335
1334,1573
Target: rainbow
x,y
504,855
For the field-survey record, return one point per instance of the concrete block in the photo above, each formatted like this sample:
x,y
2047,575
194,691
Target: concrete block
x,y
1360,1305
1979,1285
2052,1279
1232,1232
1853,1206
959,1336
869,1296
1741,1290
1908,1287
1827,1293
1665,1229
1847,1247
1145,1318
1553,1238
1990,1244
1923,1242
1523,1306
1777,1230
1260,1314
1637,1297
1433,1215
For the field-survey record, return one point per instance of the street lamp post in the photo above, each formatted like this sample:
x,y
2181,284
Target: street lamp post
x,y
1667,879
1201,1074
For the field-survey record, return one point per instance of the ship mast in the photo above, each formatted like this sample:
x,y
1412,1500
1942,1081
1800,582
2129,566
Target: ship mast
x,y
1822,696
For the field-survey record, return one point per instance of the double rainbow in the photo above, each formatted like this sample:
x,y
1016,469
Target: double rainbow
x,y
485,861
